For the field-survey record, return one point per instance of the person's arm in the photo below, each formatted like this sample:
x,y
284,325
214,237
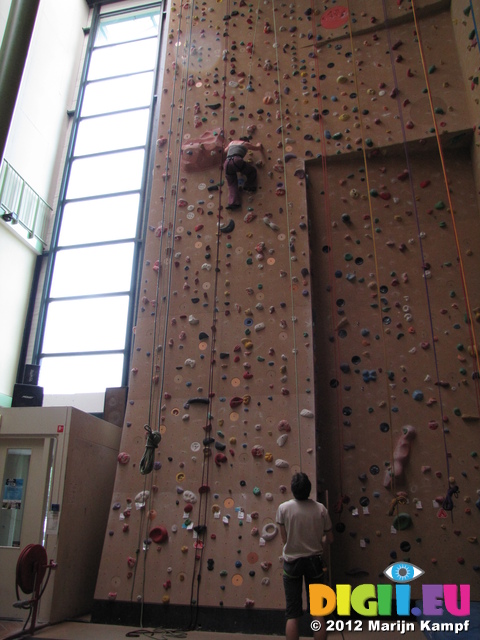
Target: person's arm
x,y
283,533
253,147
328,536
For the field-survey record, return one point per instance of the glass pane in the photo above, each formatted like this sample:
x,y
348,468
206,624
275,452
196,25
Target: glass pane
x,y
122,59
92,270
112,132
81,374
92,324
14,487
118,94
129,26
99,220
113,173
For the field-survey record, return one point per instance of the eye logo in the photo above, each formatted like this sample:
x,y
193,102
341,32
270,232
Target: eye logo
x,y
403,572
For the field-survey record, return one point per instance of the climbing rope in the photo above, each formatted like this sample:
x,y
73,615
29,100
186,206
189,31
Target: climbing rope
x,y
331,268
158,633
148,459
201,528
375,250
450,202
163,293
290,262
472,11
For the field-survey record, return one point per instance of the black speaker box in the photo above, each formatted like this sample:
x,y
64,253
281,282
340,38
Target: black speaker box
x,y
31,374
27,395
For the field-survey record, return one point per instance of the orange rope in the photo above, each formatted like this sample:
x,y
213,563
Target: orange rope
x,y
449,198
375,252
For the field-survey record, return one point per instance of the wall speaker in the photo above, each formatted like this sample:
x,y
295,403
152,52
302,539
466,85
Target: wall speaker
x,y
31,373
27,395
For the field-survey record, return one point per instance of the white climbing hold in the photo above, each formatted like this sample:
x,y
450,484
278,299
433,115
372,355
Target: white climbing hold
x,y
281,464
193,320
141,498
269,531
306,413
281,441
189,362
189,496
260,326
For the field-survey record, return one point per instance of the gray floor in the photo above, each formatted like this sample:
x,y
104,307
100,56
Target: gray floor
x,y
88,631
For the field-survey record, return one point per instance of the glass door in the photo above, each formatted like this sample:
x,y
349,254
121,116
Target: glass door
x,y
14,485
25,464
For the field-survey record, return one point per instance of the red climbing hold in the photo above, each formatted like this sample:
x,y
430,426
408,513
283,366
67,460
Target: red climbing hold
x,y
334,18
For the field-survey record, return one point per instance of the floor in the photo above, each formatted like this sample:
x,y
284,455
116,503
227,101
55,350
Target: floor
x,y
86,631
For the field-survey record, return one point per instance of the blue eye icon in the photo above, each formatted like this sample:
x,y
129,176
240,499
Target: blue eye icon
x,y
403,572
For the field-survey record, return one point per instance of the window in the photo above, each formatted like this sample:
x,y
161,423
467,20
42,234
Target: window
x,y
86,321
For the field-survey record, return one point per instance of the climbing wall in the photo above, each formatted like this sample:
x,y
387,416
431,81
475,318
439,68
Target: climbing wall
x,y
329,325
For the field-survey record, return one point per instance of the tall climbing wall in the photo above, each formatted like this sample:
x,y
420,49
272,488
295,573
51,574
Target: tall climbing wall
x,y
327,325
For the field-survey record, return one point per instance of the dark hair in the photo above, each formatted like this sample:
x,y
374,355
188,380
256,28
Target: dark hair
x,y
301,486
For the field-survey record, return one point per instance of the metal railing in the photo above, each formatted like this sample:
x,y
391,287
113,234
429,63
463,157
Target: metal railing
x,y
20,204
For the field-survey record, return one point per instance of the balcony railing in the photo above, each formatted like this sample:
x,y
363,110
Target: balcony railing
x,y
20,204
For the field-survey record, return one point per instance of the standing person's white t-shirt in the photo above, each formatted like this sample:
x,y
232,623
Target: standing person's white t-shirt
x,y
305,523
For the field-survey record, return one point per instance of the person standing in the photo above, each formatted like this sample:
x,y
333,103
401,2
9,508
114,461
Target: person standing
x,y
234,164
303,523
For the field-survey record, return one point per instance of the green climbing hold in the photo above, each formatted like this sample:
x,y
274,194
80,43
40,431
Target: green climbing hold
x,y
432,69
402,521
440,205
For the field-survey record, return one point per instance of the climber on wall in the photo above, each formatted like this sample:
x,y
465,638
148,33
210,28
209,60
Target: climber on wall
x,y
303,524
234,164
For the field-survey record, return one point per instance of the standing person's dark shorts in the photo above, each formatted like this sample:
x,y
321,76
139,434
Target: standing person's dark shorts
x,y
313,570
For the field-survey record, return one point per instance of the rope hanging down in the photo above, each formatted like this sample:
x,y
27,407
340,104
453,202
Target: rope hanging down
x,y
153,440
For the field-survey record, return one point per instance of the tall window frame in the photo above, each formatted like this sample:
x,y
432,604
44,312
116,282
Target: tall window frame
x,y
83,340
